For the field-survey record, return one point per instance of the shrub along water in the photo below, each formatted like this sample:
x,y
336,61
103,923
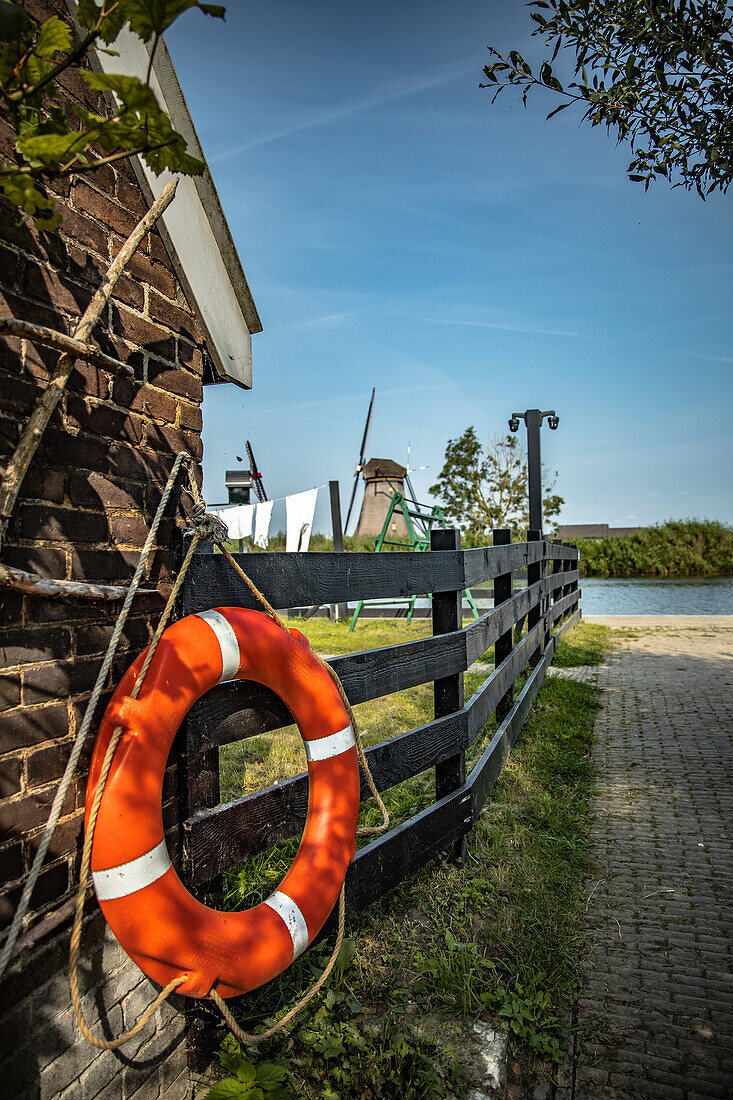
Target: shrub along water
x,y
678,548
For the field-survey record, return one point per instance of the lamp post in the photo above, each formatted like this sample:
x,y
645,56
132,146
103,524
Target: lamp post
x,y
533,419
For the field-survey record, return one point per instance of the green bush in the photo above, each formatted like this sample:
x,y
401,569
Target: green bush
x,y
677,548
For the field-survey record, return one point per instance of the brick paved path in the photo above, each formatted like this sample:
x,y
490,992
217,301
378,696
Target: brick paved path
x,y
656,1013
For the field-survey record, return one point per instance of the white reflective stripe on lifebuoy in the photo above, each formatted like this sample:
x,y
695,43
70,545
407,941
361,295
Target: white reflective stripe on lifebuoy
x,y
126,879
323,748
294,920
228,644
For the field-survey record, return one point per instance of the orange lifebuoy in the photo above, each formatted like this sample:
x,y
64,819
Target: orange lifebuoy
x,y
161,926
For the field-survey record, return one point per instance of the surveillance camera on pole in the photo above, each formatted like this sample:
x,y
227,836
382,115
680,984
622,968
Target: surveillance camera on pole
x,y
533,419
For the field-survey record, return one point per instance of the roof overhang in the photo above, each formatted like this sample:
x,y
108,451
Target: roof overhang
x,y
193,228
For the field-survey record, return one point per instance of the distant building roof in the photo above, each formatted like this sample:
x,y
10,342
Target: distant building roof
x,y
593,530
383,467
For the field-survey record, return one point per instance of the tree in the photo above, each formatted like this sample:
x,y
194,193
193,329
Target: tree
x,y
657,72
55,137
481,488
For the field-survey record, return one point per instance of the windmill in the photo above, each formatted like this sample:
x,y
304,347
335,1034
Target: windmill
x,y
257,481
362,459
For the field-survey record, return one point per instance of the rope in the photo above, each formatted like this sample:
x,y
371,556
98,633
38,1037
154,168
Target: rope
x,y
244,1036
211,529
81,736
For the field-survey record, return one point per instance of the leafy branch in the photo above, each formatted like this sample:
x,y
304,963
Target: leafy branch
x,y
658,72
56,136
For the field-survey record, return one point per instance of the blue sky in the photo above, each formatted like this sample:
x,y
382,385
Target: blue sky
x,y
398,231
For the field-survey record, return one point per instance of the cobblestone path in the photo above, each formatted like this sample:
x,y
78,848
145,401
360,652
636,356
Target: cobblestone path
x,y
656,1014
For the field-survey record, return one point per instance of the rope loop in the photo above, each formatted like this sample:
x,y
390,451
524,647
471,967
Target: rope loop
x,y
209,527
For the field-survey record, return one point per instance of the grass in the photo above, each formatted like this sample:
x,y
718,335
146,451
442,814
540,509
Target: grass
x,y
588,644
497,938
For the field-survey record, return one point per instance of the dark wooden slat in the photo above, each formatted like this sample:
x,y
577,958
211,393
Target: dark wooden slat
x,y
219,837
380,866
240,709
294,580
488,562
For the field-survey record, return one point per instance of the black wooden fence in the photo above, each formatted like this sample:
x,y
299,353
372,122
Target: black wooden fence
x,y
217,837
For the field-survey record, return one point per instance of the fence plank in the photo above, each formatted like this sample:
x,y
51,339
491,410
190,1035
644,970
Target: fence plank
x,y
240,709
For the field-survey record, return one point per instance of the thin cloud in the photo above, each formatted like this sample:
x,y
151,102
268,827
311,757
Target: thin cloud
x,y
506,327
387,93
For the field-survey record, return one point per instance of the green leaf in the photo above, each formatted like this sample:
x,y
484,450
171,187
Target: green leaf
x,y
228,1090
246,1073
269,1076
50,149
148,18
55,37
13,21
132,93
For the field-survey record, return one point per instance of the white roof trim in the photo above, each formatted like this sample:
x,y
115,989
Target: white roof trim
x,y
193,227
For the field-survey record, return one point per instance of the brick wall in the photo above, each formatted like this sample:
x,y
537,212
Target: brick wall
x,y
83,513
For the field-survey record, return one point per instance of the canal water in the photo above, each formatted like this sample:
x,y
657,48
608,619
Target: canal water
x,y
657,596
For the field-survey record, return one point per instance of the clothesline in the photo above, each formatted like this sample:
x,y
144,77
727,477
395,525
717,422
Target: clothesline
x,y
300,509
275,500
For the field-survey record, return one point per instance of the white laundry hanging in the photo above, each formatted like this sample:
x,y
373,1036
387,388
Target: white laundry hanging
x,y
238,519
299,510
262,523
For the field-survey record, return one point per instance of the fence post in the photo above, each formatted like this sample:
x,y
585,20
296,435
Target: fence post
x,y
337,610
534,574
573,586
558,566
198,788
503,647
450,774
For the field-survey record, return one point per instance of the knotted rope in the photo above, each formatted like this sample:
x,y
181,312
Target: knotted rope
x,y
208,528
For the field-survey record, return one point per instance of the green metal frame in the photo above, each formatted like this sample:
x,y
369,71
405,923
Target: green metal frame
x,y
419,540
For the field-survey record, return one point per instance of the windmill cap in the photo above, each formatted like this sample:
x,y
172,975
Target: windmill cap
x,y
383,467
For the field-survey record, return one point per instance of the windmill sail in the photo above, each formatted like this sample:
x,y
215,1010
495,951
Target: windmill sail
x,y
362,459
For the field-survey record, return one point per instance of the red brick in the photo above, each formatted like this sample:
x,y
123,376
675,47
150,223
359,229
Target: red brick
x,y
190,357
9,690
128,530
191,417
11,357
45,685
11,609
88,380
42,521
145,270
131,197
163,438
106,566
41,281
90,490
44,484
33,644
9,267
82,230
12,865
127,462
20,815
170,315
46,560
52,884
139,332
104,420
10,775
67,839
95,639
81,452
175,380
104,209
47,763
19,394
